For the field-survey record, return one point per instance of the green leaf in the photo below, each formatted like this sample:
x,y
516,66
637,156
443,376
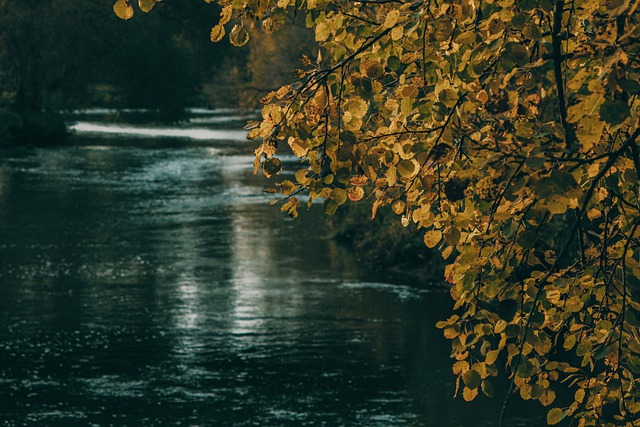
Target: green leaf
x,y
407,168
393,62
271,166
487,388
525,368
330,206
471,379
339,196
517,53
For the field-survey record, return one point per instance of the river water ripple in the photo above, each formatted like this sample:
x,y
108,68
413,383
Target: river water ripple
x,y
145,281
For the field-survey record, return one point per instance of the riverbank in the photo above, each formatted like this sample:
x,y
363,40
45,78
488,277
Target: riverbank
x,y
384,249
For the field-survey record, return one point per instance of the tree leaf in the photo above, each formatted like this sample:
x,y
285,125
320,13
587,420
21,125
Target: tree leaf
x,y
555,415
432,238
471,379
407,168
469,394
123,10
330,206
391,19
217,33
487,388
146,5
225,14
238,35
271,167
356,193
614,112
339,196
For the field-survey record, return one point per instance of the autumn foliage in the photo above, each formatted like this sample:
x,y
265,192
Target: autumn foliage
x,y
506,133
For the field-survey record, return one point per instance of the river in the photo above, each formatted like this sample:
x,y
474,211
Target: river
x,y
146,281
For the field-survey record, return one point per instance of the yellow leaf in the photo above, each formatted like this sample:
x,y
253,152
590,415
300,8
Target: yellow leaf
x,y
392,18
225,14
397,33
469,394
589,132
357,107
555,416
482,96
322,31
298,147
217,33
146,5
447,252
356,193
123,10
557,204
359,180
238,35
594,213
492,356
432,238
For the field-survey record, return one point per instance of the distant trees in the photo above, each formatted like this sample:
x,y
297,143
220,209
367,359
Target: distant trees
x,y
44,44
59,54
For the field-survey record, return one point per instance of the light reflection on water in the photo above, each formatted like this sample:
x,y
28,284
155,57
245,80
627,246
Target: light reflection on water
x,y
128,131
147,286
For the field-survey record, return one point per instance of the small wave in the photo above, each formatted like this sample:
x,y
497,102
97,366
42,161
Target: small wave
x,y
403,292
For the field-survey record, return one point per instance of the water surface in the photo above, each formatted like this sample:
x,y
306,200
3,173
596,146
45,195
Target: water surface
x,y
145,281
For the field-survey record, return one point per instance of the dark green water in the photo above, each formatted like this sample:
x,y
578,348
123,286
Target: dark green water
x,y
146,282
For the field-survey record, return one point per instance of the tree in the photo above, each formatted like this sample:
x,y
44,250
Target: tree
x,y
505,132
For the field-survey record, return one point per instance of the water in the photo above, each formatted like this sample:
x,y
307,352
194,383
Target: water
x,y
145,281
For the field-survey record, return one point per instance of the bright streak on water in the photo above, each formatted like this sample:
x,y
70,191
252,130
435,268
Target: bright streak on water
x,y
142,131
105,111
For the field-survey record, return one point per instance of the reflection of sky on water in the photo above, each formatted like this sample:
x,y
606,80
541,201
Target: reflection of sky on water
x,y
249,257
158,132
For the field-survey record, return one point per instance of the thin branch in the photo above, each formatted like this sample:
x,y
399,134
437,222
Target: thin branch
x,y
556,44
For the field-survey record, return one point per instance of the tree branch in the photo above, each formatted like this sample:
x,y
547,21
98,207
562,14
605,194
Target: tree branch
x,y
558,58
